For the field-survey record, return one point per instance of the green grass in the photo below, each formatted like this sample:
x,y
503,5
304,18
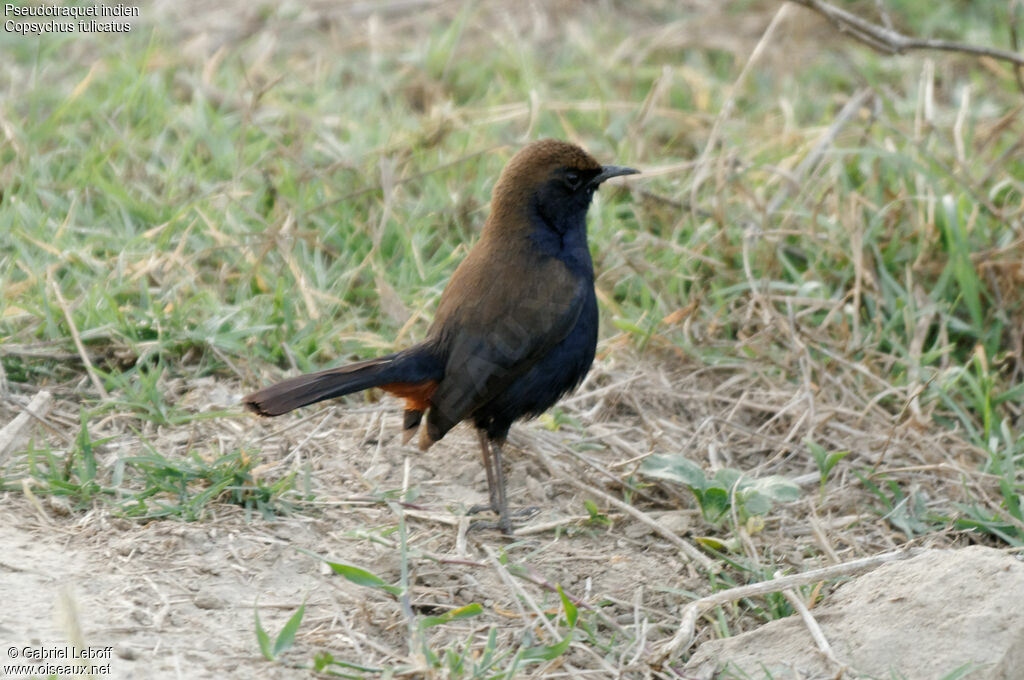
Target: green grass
x,y
236,217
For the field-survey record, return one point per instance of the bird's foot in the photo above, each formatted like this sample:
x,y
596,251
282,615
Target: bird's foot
x,y
482,507
527,512
505,523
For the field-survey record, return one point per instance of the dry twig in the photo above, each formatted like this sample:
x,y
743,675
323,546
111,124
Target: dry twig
x,y
37,408
886,39
812,625
669,649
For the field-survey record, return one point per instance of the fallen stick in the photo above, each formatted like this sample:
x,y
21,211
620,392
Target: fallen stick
x,y
39,407
667,650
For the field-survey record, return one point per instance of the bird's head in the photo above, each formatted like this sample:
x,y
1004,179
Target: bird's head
x,y
553,180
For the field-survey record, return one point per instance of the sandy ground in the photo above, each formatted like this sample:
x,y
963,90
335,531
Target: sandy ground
x,y
176,599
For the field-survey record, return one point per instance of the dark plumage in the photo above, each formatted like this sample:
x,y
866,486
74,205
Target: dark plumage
x,y
516,327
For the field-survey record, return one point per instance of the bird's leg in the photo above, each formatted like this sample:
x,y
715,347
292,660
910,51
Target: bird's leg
x,y
504,523
495,468
411,423
485,454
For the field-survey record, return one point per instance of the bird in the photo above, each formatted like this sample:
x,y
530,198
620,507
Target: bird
x,y
515,329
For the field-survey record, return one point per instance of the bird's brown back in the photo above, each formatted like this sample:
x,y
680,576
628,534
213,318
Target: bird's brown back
x,y
506,303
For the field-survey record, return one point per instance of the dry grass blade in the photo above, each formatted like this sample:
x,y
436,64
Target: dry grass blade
x,y
541,527
701,171
810,162
691,552
93,376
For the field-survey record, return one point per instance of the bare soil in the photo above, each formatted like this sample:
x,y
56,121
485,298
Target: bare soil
x,y
177,599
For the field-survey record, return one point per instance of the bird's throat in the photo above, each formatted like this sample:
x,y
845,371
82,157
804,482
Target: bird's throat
x,y
568,244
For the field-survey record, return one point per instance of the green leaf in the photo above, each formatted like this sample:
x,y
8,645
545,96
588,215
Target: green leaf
x,y
361,577
596,516
1013,394
263,638
87,471
964,671
674,468
777,488
834,458
453,615
570,609
713,542
818,452
324,659
286,637
960,262
1010,498
823,459
714,503
755,503
628,326
547,653
729,479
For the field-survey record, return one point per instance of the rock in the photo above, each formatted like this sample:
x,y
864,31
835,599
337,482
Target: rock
x,y
922,618
636,530
207,600
377,472
677,522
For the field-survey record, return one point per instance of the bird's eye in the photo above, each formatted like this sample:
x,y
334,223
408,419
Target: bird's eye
x,y
572,178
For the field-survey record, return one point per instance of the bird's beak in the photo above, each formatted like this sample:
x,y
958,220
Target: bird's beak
x,y
609,171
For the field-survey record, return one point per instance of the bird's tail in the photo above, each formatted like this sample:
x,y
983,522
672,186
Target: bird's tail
x,y
412,369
